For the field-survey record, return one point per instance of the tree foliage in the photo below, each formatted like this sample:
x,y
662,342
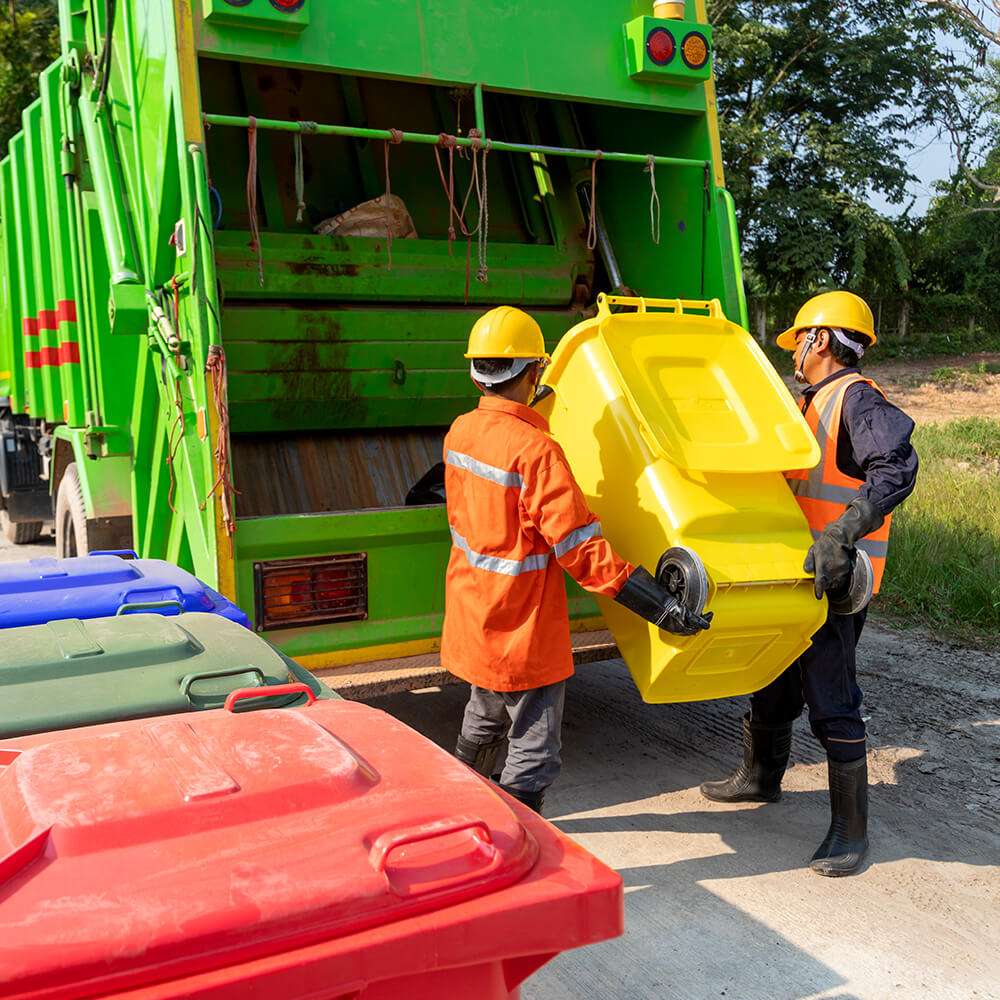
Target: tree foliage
x,y
819,101
29,41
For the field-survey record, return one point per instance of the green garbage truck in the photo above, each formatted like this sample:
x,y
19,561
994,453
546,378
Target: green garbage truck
x,y
243,242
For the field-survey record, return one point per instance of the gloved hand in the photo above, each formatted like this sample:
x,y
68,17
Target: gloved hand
x,y
831,556
648,599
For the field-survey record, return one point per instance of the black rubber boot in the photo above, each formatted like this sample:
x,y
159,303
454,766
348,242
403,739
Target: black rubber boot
x,y
846,842
758,778
533,800
481,757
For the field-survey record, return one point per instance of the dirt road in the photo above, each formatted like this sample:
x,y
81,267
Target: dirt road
x,y
719,903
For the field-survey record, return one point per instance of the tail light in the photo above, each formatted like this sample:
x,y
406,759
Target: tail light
x,y
694,50
288,6
291,592
661,46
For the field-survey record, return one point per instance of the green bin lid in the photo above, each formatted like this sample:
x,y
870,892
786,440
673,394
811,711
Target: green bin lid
x,y
78,673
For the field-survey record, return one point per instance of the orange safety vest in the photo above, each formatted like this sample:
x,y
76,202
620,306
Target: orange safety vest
x,y
824,492
517,520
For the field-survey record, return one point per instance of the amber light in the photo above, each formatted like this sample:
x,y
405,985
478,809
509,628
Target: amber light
x,y
694,50
311,591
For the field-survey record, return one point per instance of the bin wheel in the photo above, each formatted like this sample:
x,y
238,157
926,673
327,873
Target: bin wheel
x,y
71,516
681,571
20,532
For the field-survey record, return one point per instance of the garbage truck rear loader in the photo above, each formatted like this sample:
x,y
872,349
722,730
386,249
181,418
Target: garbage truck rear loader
x,y
244,241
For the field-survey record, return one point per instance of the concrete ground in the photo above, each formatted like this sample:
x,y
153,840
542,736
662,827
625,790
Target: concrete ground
x,y
718,901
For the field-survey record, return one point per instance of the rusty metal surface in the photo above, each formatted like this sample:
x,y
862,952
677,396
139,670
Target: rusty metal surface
x,y
322,473
410,673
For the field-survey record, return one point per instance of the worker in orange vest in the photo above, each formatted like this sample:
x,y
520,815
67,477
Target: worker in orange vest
x,y
867,467
518,520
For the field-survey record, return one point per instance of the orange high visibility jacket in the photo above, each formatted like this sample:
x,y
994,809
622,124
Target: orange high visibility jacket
x,y
824,492
517,519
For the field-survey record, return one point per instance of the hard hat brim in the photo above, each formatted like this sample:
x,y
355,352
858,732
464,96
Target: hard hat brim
x,y
786,340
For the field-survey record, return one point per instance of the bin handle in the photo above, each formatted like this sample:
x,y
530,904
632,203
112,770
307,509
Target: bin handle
x,y
121,553
378,857
129,608
640,304
272,691
188,679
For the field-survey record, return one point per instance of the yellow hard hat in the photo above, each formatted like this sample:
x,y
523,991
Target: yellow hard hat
x,y
506,332
843,310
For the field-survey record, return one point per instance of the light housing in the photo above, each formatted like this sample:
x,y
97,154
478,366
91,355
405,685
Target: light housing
x,y
652,45
315,591
286,16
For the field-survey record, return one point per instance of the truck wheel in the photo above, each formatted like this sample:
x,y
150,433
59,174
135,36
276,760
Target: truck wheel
x,y
71,516
20,532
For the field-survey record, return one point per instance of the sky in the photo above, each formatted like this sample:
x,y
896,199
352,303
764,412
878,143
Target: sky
x,y
932,160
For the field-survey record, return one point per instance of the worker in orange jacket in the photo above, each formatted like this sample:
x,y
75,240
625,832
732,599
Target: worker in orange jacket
x,y
867,468
518,520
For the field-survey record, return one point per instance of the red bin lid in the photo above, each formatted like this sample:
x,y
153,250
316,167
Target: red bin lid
x,y
150,849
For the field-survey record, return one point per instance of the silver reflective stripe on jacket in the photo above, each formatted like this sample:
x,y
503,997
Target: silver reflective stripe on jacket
x,y
577,537
497,564
489,472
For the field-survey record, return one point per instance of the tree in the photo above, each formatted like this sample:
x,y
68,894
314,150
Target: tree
x,y
29,41
818,104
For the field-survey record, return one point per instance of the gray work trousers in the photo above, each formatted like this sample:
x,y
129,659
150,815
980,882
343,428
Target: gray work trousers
x,y
532,720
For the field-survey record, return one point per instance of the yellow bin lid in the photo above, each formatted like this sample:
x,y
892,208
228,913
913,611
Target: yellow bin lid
x,y
704,393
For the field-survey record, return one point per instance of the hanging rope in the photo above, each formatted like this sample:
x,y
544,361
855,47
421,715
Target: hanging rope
x,y
397,138
223,486
483,228
255,243
592,226
300,169
654,200
449,143
173,445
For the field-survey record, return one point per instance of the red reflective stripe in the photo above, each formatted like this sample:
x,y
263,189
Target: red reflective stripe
x,y
69,353
66,311
50,357
29,326
32,359
47,320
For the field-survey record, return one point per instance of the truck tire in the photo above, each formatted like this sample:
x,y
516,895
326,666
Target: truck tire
x,y
20,532
71,516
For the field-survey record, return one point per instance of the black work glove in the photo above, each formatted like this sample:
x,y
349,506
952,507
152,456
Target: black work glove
x,y
648,599
831,556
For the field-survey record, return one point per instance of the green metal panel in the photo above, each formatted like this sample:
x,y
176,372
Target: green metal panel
x,y
25,338
73,404
11,358
78,673
41,235
564,48
343,367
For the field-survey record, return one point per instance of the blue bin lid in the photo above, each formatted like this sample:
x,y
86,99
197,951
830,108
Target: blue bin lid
x,y
102,585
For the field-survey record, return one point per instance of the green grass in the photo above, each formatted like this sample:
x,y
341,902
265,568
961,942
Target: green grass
x,y
944,553
967,378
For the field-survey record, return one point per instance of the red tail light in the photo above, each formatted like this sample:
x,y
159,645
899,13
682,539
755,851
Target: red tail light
x,y
311,591
661,46
288,6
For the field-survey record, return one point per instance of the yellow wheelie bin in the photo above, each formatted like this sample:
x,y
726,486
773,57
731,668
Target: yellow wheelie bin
x,y
678,430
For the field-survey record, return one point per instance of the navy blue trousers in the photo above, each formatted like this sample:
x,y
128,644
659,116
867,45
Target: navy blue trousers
x,y
824,677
